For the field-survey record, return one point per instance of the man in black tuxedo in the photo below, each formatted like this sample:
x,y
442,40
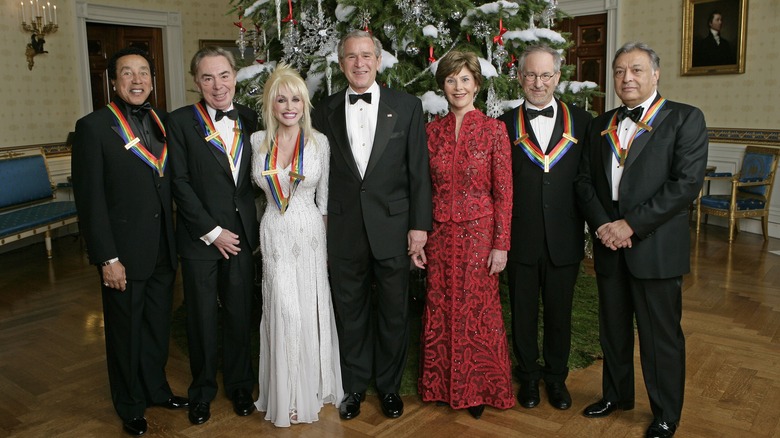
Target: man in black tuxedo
x,y
547,227
379,211
122,187
217,230
642,166
713,49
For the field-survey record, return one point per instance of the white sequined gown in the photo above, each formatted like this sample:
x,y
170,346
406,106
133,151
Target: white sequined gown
x,y
299,367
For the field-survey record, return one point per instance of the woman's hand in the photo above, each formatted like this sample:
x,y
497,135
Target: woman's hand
x,y
496,261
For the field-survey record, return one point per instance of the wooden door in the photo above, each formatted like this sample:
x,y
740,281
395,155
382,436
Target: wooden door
x,y
589,52
105,39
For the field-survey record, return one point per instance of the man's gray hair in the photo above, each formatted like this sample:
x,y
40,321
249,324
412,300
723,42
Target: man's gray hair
x,y
359,34
655,61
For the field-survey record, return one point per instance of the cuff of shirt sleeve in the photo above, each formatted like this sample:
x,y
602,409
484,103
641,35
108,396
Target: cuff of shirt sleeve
x,y
209,238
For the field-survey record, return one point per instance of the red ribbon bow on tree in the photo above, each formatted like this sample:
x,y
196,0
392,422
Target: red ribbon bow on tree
x,y
431,58
289,16
501,31
511,61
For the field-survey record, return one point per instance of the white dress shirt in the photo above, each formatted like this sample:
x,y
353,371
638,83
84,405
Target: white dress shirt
x,y
361,125
626,130
225,127
543,126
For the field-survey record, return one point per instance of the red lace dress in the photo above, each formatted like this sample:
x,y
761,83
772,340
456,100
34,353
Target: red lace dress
x,y
465,359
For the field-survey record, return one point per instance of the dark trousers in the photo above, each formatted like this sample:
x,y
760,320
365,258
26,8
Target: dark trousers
x,y
555,286
137,327
230,282
657,304
373,339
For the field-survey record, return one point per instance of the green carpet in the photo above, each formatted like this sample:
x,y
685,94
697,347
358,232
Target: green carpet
x,y
585,328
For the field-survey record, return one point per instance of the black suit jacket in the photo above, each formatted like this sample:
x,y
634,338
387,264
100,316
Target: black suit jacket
x,y
707,51
203,186
545,204
119,197
395,194
663,174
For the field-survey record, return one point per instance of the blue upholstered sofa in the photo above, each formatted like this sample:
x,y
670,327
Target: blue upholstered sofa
x,y
27,205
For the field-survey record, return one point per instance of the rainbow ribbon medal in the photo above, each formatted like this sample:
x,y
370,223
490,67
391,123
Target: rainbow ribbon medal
x,y
644,126
534,152
133,143
271,173
212,136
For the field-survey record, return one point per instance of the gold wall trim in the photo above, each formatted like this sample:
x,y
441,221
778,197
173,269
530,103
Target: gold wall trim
x,y
765,137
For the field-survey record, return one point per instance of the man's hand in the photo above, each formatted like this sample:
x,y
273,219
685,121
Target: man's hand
x,y
615,235
420,259
114,276
415,241
227,243
496,261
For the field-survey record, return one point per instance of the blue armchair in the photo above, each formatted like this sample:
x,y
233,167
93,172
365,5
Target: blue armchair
x,y
751,190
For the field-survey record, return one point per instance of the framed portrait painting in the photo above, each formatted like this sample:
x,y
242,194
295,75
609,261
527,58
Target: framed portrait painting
x,y
713,39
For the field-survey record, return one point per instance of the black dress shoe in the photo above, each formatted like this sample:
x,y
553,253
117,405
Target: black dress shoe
x,y
528,396
350,405
199,413
558,395
135,426
243,404
392,405
476,411
175,402
602,408
660,429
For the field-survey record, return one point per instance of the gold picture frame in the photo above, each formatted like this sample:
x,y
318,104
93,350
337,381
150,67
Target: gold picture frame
x,y
702,52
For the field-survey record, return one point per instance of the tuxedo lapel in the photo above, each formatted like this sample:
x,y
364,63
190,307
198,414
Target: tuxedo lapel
x,y
115,128
385,122
606,149
245,165
221,158
638,145
338,123
557,132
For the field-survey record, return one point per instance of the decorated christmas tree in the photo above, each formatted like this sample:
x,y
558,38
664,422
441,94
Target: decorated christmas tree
x,y
414,34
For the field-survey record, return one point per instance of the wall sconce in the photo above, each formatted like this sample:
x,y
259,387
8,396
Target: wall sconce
x,y
43,21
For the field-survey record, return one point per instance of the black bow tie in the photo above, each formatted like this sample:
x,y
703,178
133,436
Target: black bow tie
x,y
232,114
141,110
353,98
532,113
634,114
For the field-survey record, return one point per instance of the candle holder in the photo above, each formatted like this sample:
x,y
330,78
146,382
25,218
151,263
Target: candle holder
x,y
39,26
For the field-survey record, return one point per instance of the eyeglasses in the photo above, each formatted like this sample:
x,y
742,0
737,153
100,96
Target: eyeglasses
x,y
531,77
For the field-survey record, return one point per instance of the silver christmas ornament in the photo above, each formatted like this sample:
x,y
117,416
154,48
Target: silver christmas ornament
x,y
389,29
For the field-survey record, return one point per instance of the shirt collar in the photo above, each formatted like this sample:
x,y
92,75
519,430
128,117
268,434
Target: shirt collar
x,y
373,89
213,111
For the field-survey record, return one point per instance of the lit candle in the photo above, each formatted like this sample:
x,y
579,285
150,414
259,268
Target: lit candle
x,y
37,9
24,18
48,6
43,15
55,15
32,12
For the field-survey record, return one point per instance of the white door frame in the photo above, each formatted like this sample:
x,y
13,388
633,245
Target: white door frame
x,y
169,22
576,8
